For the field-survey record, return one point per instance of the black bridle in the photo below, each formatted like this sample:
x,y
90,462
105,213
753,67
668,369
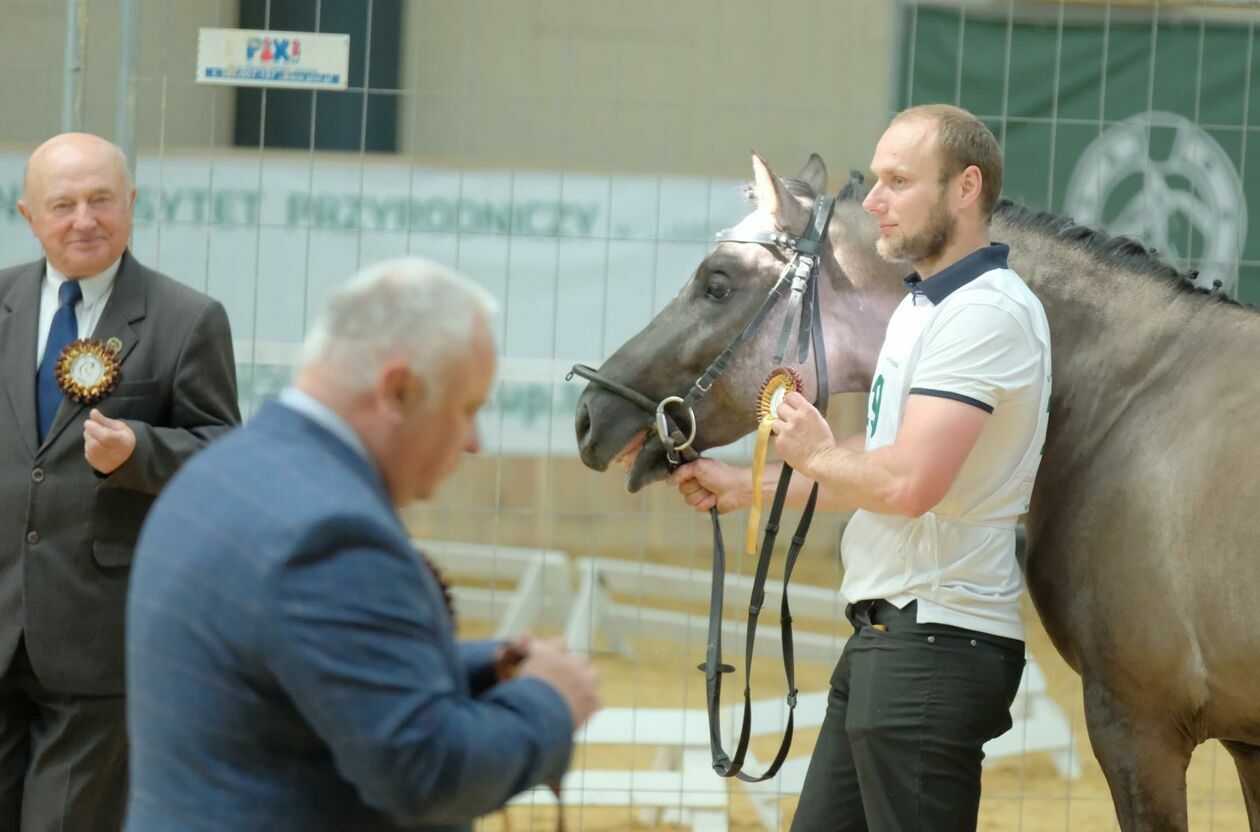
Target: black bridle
x,y
799,283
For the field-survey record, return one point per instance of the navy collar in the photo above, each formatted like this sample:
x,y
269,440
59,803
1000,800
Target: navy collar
x,y
953,277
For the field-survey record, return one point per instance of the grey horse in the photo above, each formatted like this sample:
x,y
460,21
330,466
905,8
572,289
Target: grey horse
x,y
1143,536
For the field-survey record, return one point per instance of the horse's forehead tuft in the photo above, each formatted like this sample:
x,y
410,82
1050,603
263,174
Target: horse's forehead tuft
x,y
801,190
753,223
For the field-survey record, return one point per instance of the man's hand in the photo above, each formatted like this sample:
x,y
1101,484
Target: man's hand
x,y
801,433
706,483
508,658
107,443
572,676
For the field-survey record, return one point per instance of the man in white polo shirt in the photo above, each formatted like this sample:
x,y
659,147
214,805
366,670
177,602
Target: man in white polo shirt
x,y
956,422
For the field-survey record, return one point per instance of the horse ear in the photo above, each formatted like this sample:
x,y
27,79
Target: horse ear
x,y
814,174
774,198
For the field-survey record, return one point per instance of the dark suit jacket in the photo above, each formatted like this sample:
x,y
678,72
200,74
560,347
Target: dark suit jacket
x,y
67,533
290,660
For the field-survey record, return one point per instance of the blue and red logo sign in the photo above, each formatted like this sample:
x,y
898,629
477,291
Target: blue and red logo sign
x,y
274,50
258,58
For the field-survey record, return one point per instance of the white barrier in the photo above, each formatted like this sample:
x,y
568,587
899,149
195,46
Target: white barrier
x,y
682,737
541,596
681,787
595,613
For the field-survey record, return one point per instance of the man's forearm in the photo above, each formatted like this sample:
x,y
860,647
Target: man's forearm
x,y
798,489
852,478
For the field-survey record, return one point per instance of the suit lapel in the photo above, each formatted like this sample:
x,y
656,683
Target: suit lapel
x,y
19,333
125,306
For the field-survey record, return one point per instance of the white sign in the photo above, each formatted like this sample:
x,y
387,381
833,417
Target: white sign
x,y
258,58
1101,193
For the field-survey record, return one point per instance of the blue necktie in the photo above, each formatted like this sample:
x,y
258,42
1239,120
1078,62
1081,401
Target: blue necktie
x,y
64,329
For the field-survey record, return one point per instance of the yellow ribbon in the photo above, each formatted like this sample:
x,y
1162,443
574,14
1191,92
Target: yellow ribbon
x,y
758,469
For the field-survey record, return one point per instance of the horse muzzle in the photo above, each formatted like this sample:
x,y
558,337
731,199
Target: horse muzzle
x,y
612,431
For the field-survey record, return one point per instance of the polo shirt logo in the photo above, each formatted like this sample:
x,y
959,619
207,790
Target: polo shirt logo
x,y
877,396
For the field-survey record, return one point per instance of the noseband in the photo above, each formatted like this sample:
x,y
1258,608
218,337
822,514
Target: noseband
x,y
799,283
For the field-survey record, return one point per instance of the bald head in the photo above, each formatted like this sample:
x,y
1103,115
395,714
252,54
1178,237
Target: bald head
x,y
77,199
67,148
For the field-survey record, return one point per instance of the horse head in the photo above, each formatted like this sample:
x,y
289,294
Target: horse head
x,y
856,294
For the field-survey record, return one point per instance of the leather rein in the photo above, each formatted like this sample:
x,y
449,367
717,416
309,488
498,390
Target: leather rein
x,y
799,283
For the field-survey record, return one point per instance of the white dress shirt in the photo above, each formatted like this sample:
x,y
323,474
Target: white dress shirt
x,y
87,311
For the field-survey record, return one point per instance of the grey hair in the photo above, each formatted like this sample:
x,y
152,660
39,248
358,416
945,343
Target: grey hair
x,y
409,308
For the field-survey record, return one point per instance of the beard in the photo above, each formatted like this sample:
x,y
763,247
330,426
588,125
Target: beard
x,y
928,244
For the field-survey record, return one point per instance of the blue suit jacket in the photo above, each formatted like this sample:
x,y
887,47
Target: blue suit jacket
x,y
290,661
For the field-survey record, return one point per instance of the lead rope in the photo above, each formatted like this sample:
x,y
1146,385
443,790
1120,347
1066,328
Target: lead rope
x,y
805,296
678,449
713,667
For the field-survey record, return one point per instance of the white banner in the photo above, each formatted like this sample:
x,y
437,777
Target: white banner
x,y
579,262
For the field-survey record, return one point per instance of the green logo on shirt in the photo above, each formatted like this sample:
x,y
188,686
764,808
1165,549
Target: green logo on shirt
x,y
877,396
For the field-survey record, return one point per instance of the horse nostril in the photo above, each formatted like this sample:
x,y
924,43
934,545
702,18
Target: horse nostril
x,y
583,423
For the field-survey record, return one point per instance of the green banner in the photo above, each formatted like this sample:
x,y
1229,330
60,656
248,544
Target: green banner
x,y
1136,126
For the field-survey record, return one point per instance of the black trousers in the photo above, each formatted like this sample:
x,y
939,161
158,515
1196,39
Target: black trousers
x,y
911,706
63,759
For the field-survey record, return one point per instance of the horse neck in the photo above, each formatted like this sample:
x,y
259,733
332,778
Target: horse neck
x,y
859,294
1121,342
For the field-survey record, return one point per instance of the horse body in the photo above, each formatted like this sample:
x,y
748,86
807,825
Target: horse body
x,y
1142,556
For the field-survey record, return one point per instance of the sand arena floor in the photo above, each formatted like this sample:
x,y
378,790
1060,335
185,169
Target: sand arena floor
x,y
1020,793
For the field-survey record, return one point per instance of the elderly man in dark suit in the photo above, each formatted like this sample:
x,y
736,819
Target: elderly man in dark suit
x,y
291,661
78,473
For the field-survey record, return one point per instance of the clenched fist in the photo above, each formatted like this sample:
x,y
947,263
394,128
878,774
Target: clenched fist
x,y
107,443
572,675
706,483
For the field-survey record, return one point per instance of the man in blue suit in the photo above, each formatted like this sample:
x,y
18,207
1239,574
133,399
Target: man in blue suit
x,y
291,662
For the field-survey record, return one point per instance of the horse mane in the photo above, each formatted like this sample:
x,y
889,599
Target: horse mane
x,y
1122,252
1119,251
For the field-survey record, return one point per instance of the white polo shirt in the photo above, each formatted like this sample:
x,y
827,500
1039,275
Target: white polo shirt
x,y
974,333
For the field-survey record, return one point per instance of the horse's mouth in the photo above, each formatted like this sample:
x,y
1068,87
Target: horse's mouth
x,y
627,455
643,459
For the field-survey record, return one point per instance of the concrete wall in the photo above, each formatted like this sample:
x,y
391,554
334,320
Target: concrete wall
x,y
653,86
656,86
170,110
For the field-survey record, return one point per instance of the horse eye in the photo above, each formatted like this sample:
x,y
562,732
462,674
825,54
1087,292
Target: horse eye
x,y
718,287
